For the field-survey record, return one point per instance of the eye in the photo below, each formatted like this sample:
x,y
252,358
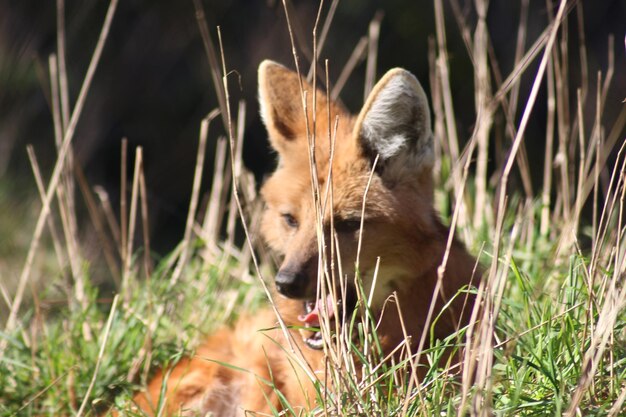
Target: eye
x,y
290,220
347,225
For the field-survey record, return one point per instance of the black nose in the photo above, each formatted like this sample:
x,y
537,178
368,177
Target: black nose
x,y
292,284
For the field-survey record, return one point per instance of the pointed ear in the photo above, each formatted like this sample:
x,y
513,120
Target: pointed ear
x,y
395,124
280,100
281,103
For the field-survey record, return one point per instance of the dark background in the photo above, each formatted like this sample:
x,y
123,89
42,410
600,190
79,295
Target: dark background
x,y
153,85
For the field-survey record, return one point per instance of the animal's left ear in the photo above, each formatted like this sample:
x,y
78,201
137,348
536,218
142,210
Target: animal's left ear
x,y
282,108
395,124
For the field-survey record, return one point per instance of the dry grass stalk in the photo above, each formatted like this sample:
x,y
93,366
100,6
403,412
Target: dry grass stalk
x,y
482,96
451,137
69,231
237,170
439,127
372,54
123,199
519,51
358,53
132,221
319,45
103,343
145,225
300,34
195,195
214,211
65,193
63,83
547,164
510,111
109,215
97,221
56,241
67,184
212,56
63,99
330,280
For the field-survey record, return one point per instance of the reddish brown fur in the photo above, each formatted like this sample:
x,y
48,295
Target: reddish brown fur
x,y
401,227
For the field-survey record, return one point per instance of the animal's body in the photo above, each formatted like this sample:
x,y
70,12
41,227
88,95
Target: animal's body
x,y
400,228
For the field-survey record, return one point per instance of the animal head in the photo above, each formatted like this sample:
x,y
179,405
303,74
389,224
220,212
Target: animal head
x,y
384,154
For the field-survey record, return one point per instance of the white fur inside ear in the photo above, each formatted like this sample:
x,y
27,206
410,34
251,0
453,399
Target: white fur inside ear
x,y
396,120
265,118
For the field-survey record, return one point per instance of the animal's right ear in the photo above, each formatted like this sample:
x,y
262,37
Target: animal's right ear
x,y
281,104
395,125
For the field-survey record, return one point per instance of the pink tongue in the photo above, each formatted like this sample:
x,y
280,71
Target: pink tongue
x,y
313,317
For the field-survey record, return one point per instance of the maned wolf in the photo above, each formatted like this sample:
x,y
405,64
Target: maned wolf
x,y
391,136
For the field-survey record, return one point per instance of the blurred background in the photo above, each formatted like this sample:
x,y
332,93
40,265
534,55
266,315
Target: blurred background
x,y
153,85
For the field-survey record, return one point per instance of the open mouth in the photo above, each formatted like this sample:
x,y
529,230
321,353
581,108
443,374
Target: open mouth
x,y
313,310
